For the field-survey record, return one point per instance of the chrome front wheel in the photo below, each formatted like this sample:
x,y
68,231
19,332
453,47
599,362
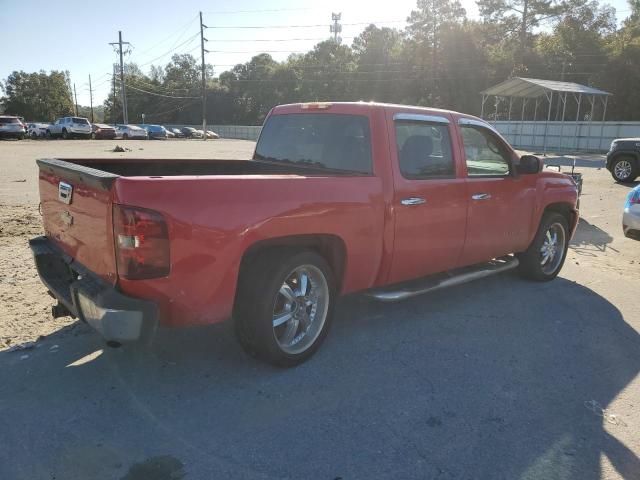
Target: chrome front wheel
x,y
546,254
552,249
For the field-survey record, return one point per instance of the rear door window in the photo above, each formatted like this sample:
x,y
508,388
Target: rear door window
x,y
324,140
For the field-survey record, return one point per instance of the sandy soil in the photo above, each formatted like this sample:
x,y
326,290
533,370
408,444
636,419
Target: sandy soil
x,y
25,305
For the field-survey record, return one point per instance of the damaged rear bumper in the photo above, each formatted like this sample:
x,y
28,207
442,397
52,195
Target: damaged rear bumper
x,y
115,316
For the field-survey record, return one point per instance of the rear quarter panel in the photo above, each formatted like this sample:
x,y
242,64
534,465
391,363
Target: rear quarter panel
x,y
212,221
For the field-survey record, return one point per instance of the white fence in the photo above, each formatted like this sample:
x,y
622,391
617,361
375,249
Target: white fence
x,y
565,136
243,132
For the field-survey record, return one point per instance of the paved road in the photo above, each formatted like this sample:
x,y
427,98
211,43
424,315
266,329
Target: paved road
x,y
498,379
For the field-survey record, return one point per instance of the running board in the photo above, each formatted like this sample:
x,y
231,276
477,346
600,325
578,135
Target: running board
x,y
450,279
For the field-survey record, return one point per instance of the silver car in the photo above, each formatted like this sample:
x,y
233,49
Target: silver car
x,y
11,127
131,132
631,214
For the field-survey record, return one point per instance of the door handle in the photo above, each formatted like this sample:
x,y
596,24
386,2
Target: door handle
x,y
481,196
413,201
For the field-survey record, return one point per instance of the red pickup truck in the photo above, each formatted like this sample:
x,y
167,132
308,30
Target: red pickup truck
x,y
338,198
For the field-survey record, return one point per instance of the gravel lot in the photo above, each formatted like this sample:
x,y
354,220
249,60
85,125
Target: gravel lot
x,y
498,379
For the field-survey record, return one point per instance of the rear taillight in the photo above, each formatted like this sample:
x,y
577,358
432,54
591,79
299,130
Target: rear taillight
x,y
142,243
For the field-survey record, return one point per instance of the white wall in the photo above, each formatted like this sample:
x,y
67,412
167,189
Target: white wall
x,y
566,136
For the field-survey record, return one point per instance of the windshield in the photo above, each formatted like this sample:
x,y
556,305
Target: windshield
x,y
340,142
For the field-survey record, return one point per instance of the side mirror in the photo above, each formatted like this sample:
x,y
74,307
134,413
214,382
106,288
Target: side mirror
x,y
529,164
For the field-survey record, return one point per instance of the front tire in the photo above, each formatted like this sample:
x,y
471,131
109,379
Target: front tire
x,y
284,305
624,169
65,135
544,258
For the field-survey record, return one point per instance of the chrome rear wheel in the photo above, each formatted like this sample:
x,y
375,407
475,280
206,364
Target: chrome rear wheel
x,y
300,309
284,303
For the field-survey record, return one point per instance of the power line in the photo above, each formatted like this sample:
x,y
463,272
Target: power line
x,y
157,94
317,39
188,40
303,26
183,29
266,10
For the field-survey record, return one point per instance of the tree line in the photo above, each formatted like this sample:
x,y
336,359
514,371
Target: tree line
x,y
441,59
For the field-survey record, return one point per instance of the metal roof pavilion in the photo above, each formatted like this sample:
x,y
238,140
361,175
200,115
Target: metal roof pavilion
x,y
536,89
533,87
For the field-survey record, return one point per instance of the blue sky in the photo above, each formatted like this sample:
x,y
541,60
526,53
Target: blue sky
x,y
75,35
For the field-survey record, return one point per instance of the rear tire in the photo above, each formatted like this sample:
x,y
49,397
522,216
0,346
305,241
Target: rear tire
x,y
65,135
624,169
544,258
125,136
284,305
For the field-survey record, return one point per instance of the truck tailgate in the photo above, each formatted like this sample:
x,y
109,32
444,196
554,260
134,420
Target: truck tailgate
x,y
76,207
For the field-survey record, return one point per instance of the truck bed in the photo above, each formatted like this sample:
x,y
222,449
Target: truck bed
x,y
175,167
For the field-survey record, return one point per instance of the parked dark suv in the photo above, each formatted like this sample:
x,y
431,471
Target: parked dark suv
x,y
623,159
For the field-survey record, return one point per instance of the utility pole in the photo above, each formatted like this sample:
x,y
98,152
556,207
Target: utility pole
x,y
91,99
336,28
75,97
113,105
125,115
204,79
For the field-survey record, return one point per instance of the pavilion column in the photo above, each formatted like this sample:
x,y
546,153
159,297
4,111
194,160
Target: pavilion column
x,y
546,125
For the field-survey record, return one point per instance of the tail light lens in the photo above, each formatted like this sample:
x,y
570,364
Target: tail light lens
x,y
142,243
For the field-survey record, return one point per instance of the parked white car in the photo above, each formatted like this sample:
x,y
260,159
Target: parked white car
x,y
69,127
37,130
130,132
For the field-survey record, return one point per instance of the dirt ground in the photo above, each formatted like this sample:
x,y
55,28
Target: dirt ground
x,y
502,378
25,306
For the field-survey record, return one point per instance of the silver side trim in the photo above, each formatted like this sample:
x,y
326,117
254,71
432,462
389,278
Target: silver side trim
x,y
473,121
484,270
416,117
480,123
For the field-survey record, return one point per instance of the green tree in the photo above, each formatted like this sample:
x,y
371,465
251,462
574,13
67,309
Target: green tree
x,y
37,96
381,73
518,18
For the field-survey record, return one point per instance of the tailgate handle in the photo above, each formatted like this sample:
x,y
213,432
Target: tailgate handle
x,y
481,196
413,201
